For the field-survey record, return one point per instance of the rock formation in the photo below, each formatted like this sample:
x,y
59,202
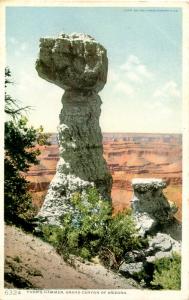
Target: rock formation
x,y
151,209
154,216
78,64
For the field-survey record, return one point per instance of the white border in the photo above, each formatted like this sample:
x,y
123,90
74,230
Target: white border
x,y
111,294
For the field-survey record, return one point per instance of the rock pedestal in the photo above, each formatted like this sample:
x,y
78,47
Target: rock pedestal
x,y
78,64
150,207
154,216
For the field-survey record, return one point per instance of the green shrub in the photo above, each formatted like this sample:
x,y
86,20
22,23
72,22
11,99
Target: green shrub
x,y
85,225
167,274
122,236
88,229
51,234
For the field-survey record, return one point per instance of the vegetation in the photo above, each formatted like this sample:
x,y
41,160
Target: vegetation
x,y
83,226
20,153
122,236
88,229
167,274
12,107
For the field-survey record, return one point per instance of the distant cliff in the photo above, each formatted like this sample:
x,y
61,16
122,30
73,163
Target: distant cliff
x,y
128,155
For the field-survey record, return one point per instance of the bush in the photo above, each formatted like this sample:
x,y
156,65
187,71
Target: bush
x,y
52,234
85,225
88,229
122,236
167,274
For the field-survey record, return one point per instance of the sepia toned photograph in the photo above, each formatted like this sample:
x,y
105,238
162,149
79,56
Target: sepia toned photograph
x,y
93,148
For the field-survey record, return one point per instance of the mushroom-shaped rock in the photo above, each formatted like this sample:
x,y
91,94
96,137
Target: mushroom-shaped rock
x,y
150,206
149,198
78,64
73,61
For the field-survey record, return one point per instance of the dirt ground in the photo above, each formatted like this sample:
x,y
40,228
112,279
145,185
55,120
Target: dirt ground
x,y
32,263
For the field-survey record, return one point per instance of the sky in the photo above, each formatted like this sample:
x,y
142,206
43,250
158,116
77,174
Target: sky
x,y
143,92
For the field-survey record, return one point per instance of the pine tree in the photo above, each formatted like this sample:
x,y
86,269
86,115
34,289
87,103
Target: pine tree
x,y
20,153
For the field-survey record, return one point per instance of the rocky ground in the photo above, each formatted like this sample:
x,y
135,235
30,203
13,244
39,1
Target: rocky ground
x,y
32,263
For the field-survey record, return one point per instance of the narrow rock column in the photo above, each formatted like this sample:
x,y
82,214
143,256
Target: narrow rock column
x,y
78,64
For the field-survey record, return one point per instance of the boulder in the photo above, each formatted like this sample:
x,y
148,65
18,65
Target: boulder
x,y
131,269
142,272
162,245
73,62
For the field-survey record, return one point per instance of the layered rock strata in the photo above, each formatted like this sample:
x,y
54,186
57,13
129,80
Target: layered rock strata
x,y
78,64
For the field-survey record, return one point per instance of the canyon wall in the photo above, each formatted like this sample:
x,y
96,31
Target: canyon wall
x,y
129,155
143,155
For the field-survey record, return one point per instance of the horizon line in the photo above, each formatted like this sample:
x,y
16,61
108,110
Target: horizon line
x,y
130,132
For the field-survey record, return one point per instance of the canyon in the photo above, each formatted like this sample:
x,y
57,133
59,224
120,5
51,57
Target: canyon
x,y
129,156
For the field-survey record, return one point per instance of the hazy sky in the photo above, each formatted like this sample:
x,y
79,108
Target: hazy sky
x,y
143,91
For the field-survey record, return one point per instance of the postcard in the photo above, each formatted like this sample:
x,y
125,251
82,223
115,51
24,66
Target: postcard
x,y
95,133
